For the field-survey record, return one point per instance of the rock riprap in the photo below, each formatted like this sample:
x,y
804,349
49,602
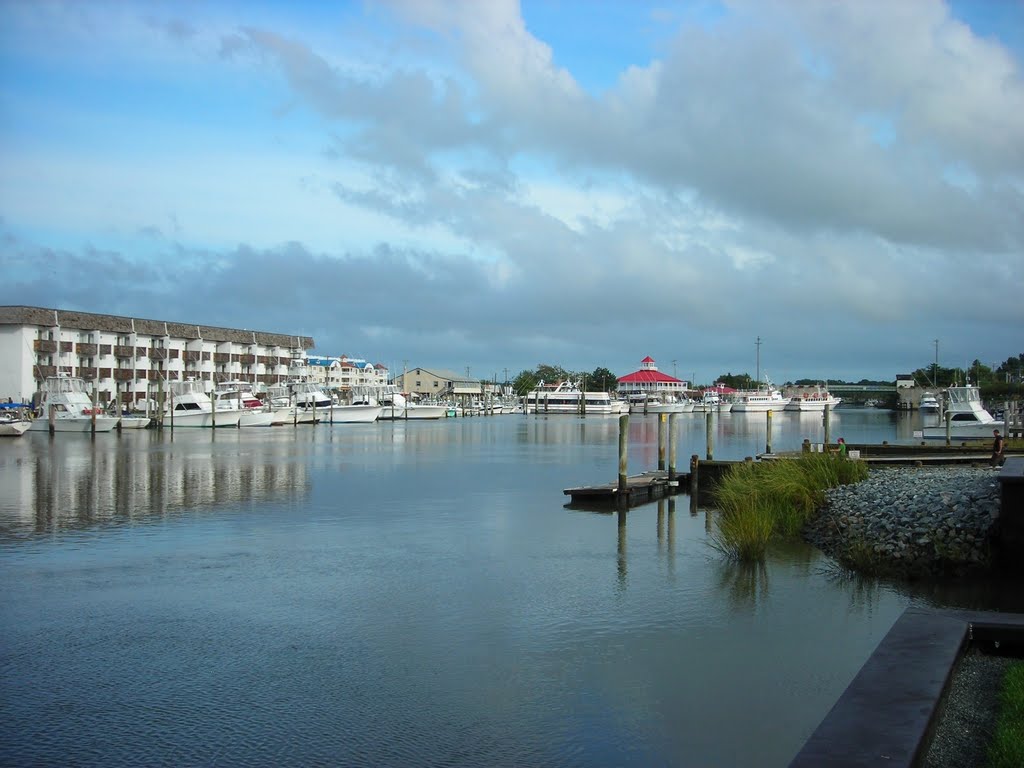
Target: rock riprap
x,y
911,520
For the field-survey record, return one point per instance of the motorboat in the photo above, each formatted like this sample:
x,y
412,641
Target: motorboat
x,y
929,402
188,405
395,405
761,400
567,397
14,419
657,402
133,421
64,404
314,404
967,417
818,400
238,396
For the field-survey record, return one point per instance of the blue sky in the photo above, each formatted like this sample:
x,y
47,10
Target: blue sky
x,y
495,185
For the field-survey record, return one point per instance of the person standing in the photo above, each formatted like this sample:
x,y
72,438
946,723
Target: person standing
x,y
997,448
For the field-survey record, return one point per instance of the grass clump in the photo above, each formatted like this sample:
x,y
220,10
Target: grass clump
x,y
1007,747
759,501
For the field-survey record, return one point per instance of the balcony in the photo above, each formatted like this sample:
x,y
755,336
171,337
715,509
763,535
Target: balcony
x,y
44,345
104,349
89,374
123,374
192,357
157,353
247,359
66,346
42,371
88,350
222,357
104,373
124,352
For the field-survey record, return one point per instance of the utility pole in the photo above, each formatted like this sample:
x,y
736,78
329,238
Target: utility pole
x,y
757,344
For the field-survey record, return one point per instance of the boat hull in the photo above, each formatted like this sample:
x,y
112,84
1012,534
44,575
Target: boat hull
x,y
134,422
80,424
353,414
202,420
14,428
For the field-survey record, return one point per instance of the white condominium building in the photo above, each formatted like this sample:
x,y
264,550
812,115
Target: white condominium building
x,y
129,358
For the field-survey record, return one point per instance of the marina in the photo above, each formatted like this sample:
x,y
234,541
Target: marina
x,y
428,574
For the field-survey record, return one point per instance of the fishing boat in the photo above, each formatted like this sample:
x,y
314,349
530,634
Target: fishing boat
x,y
395,405
64,404
967,417
929,402
238,396
189,406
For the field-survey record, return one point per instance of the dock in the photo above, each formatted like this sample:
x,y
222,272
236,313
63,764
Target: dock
x,y
640,489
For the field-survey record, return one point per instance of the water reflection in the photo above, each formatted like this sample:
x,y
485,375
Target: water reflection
x,y
50,486
745,585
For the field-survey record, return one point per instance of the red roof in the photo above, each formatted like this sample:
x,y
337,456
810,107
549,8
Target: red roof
x,y
647,359
648,377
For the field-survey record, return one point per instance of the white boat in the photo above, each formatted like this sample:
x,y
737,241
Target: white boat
x,y
238,396
67,398
652,402
188,405
762,400
395,405
14,419
968,419
314,404
818,400
133,421
929,402
567,397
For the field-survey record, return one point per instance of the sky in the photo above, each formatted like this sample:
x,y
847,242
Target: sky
x,y
807,189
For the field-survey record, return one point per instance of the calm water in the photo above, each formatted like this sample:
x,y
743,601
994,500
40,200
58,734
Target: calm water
x,y
409,594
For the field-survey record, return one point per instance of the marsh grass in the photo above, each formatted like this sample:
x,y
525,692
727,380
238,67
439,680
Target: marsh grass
x,y
759,501
1007,747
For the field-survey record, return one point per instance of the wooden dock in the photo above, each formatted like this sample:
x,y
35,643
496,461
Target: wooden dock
x,y
640,489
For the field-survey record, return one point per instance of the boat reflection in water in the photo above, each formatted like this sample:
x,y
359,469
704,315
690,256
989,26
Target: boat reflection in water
x,y
53,486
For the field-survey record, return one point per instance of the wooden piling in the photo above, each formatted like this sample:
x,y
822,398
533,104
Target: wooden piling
x,y
827,417
709,437
672,447
949,428
51,417
661,441
92,413
694,472
623,463
768,432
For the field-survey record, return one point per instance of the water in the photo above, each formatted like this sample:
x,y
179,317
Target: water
x,y
409,594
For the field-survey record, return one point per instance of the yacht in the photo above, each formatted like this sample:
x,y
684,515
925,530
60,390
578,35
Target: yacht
x,y
395,405
239,396
188,405
818,400
968,419
766,398
67,399
567,397
14,419
929,402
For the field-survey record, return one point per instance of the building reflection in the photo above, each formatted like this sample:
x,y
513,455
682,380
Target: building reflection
x,y
64,485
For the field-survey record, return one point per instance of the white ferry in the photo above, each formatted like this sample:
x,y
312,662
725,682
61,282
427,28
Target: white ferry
x,y
567,397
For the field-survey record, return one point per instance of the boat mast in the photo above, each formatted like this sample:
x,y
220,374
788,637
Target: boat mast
x,y
758,345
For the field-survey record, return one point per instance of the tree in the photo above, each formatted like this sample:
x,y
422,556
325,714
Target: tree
x,y
551,374
602,379
737,381
525,383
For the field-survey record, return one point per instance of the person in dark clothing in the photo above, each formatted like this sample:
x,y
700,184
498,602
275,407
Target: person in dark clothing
x,y
997,448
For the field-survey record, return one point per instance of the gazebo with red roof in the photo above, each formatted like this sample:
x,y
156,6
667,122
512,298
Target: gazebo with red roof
x,y
649,379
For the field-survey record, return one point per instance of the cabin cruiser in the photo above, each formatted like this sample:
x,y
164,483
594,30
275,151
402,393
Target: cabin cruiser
x,y
238,396
66,399
395,405
929,402
967,417
188,405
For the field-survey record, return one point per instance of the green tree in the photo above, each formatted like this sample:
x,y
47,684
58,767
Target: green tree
x,y
551,374
737,381
525,382
602,379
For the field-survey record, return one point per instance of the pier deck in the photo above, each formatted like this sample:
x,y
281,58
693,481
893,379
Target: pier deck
x,y
640,489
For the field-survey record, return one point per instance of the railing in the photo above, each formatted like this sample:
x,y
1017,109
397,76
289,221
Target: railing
x,y
88,350
156,353
123,374
123,351
192,356
44,371
222,357
44,345
247,359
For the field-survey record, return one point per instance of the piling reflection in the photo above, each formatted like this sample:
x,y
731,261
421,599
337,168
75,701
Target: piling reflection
x,y
54,486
